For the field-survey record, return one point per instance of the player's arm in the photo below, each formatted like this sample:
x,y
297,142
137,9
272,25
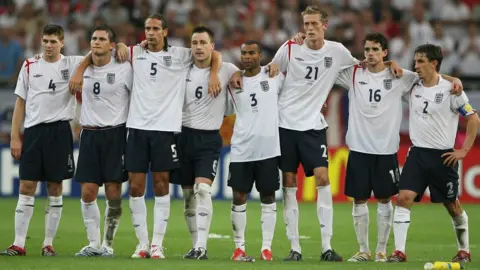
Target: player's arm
x,y
457,86
214,84
76,82
230,108
19,111
345,77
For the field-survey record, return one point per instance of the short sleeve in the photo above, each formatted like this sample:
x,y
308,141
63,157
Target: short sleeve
x,y
185,55
346,58
75,61
231,68
282,57
280,79
22,82
345,78
461,105
128,75
408,80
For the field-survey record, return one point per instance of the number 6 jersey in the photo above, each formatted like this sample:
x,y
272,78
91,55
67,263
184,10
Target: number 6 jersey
x,y
255,133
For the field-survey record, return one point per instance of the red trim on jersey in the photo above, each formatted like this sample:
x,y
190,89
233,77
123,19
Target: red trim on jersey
x,y
131,54
27,65
354,73
289,44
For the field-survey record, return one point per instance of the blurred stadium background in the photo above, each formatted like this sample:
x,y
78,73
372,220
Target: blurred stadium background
x,y
451,24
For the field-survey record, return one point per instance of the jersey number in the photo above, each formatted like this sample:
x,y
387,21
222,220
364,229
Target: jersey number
x,y
198,92
96,88
52,85
324,148
309,73
425,108
375,95
254,100
153,69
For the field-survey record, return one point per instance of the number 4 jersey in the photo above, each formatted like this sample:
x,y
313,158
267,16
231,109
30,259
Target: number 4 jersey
x,y
255,133
105,94
375,108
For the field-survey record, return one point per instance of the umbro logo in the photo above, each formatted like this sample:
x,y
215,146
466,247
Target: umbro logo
x,y
418,96
37,75
141,58
299,59
188,80
362,82
87,77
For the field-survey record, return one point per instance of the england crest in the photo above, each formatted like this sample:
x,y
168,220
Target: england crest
x,y
265,86
328,61
387,84
167,60
65,74
110,78
438,98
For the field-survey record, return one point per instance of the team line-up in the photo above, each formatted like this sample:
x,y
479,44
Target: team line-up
x,y
159,107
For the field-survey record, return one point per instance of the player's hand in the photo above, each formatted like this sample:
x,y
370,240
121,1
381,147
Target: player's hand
x,y
38,56
214,85
324,108
396,69
16,148
273,70
236,80
76,83
143,44
299,38
121,53
453,157
363,63
457,87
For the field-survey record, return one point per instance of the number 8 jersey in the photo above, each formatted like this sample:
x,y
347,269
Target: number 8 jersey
x,y
255,133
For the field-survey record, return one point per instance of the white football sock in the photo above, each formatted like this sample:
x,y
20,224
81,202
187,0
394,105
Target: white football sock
x,y
138,210
325,215
91,218
290,216
113,212
460,225
53,213
23,214
360,223
239,222
160,219
384,221
190,206
204,211
401,222
269,219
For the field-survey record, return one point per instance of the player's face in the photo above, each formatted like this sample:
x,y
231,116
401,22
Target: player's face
x,y
100,43
373,52
313,26
423,66
250,56
52,45
202,46
154,31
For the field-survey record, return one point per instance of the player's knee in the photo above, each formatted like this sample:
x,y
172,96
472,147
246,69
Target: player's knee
x,y
267,197
28,187
239,198
289,179
321,176
89,192
137,188
54,189
405,199
454,208
202,190
113,191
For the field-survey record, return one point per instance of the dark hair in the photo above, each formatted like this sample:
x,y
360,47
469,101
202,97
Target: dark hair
x,y
159,17
111,34
204,29
431,52
53,29
254,42
377,38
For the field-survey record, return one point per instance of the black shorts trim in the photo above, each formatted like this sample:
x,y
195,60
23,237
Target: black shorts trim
x,y
264,173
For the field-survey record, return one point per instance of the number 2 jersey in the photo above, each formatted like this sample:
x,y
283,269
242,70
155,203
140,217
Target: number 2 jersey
x,y
158,88
375,108
44,87
255,132
310,75
105,94
434,114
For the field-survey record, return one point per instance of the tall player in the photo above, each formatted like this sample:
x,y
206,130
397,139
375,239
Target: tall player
x,y
432,162
45,106
255,148
155,114
373,139
199,143
105,99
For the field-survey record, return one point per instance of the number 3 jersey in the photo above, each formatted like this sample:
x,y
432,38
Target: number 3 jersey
x,y
44,87
375,108
434,115
105,94
201,110
255,133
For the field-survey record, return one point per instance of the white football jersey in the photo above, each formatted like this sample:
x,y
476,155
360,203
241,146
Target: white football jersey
x,y
202,111
375,108
310,75
434,113
255,132
106,94
158,88
44,87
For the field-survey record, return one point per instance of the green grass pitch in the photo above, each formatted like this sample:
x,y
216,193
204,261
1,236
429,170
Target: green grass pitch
x,y
431,238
